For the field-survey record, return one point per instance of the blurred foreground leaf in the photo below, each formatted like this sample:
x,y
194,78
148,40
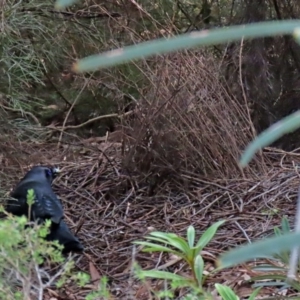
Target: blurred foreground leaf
x,y
273,133
185,41
259,249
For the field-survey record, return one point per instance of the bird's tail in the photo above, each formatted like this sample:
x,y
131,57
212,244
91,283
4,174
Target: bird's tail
x,y
65,237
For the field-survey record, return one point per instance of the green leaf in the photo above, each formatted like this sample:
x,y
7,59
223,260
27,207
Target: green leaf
x,y
207,236
270,135
30,197
277,231
259,249
270,276
151,247
198,269
163,235
285,225
156,241
173,240
226,292
184,41
191,236
163,275
268,268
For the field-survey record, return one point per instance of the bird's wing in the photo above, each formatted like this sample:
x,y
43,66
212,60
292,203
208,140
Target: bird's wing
x,y
46,204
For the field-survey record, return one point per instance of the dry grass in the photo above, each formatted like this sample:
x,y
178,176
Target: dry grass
x,y
187,121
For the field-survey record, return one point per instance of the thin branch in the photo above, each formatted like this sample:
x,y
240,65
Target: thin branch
x,y
115,115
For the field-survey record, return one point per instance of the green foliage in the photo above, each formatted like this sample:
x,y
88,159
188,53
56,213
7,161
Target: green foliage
x,y
186,249
102,291
23,249
36,86
191,254
21,48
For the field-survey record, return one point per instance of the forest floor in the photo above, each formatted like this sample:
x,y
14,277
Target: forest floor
x,y
109,209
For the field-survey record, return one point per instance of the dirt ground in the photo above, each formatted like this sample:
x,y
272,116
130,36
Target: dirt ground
x,y
109,209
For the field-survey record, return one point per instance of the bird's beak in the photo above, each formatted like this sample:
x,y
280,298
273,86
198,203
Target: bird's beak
x,y
56,170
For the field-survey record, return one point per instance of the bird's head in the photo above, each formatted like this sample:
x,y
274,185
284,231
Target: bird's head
x,y
53,172
42,172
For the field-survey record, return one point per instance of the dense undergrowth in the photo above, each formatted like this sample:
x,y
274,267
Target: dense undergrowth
x,y
157,105
178,116
40,44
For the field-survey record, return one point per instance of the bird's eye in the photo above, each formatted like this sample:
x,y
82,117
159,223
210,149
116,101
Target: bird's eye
x,y
48,173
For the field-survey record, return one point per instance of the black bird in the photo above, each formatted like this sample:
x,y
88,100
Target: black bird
x,y
64,236
46,206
